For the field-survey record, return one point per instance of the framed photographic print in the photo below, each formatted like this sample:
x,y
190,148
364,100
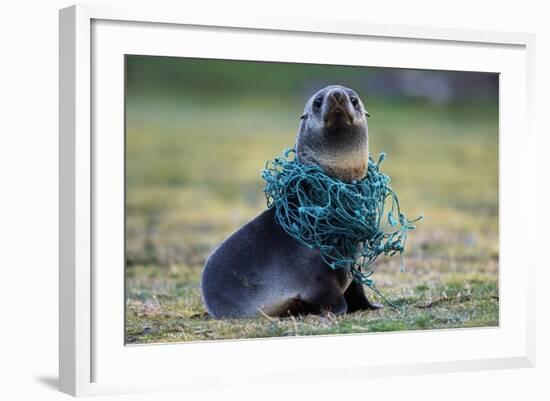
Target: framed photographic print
x,y
276,189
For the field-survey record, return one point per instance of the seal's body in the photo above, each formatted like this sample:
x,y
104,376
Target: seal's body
x,y
262,269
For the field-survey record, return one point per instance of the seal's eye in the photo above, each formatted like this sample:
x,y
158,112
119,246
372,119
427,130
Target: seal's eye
x,y
354,101
318,102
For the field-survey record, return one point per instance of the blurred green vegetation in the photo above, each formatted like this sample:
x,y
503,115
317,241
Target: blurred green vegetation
x,y
198,133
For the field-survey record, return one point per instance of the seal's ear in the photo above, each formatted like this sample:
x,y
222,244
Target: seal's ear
x,y
367,113
303,116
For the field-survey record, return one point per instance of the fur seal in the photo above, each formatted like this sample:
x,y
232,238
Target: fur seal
x,y
260,268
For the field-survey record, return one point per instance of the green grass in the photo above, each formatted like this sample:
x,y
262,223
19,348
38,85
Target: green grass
x,y
193,177
165,306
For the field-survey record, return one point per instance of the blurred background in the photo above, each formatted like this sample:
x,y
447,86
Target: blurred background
x,y
198,133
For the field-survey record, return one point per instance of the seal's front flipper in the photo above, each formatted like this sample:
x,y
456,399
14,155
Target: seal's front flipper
x,y
339,307
327,300
374,305
357,300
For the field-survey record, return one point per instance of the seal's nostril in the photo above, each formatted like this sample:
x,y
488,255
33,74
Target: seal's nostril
x,y
337,95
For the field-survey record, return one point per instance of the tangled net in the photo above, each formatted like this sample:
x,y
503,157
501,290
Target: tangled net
x,y
345,222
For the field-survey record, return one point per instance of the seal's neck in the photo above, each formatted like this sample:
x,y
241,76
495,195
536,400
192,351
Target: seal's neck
x,y
345,164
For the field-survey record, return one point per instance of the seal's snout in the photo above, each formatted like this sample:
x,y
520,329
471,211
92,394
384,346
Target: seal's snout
x,y
338,109
337,95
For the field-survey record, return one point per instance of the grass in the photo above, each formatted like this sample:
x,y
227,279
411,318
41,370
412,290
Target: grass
x,y
164,306
193,177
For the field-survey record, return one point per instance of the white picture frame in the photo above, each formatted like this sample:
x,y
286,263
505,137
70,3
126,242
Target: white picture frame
x,y
93,357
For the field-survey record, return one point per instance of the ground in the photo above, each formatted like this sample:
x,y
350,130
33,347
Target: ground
x,y
191,183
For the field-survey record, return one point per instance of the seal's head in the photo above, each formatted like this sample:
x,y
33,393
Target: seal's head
x,y
333,133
